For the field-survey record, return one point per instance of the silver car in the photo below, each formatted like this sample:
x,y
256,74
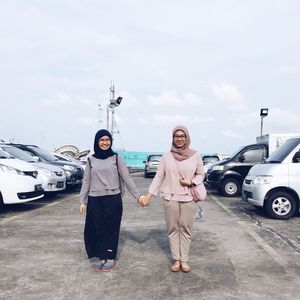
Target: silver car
x,y
151,164
53,177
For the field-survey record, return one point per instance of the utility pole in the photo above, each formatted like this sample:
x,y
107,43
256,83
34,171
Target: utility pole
x,y
113,103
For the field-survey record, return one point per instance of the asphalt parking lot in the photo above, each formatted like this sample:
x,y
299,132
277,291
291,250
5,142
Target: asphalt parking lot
x,y
237,253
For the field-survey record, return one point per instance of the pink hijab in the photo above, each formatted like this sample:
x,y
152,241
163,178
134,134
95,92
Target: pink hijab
x,y
183,153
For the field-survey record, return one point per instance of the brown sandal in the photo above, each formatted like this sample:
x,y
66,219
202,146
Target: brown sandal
x,y
185,267
176,266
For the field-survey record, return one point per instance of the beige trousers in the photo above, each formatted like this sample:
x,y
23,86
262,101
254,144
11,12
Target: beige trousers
x,y
180,219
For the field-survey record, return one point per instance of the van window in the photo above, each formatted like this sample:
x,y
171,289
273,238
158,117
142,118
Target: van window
x,y
283,151
254,155
154,157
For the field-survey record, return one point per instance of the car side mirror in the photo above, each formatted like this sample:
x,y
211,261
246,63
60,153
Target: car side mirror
x,y
242,158
144,161
296,158
36,158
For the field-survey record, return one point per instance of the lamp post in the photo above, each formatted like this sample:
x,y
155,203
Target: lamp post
x,y
113,103
263,114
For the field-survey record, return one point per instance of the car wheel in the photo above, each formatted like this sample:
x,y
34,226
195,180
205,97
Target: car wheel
x,y
230,187
281,205
1,201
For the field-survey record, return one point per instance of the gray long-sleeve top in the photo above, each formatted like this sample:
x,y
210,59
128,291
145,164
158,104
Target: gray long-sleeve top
x,y
101,178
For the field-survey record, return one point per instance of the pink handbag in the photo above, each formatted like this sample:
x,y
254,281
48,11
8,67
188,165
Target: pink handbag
x,y
198,192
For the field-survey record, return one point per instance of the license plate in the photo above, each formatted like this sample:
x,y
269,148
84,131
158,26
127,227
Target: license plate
x,y
244,197
60,185
38,187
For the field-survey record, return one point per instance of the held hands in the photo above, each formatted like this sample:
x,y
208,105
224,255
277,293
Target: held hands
x,y
144,200
185,182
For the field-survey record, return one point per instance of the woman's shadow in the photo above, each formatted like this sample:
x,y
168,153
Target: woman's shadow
x,y
144,238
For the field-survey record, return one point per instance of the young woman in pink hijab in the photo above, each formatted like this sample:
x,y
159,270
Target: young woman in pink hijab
x,y
178,170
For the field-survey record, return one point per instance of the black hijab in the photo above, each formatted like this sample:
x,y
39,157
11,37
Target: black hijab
x,y
99,153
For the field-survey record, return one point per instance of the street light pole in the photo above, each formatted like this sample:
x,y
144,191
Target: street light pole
x,y
263,114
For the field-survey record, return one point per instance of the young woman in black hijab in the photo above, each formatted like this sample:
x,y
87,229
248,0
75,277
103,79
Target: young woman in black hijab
x,y
100,197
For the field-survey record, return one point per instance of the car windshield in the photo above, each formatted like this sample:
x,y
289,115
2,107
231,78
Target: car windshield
x,y
69,158
59,157
43,153
232,155
155,157
4,154
210,159
283,151
18,153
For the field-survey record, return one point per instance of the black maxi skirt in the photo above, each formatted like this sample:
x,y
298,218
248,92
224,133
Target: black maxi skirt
x,y
102,226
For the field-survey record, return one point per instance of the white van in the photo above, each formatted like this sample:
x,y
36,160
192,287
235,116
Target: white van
x,y
275,184
18,181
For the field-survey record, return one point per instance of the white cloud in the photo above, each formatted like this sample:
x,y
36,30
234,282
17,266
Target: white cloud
x,y
62,99
289,69
246,119
231,134
283,118
142,121
128,99
163,119
171,98
230,96
86,121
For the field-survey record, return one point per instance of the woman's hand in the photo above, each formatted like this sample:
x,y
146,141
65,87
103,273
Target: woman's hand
x,y
185,182
144,200
82,208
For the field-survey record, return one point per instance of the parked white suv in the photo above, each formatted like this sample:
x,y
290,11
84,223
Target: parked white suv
x,y
19,181
53,177
275,184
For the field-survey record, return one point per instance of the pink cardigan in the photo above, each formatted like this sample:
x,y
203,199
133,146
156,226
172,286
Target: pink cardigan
x,y
166,181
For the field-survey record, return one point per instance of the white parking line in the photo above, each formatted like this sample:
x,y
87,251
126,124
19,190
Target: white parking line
x,y
264,245
8,219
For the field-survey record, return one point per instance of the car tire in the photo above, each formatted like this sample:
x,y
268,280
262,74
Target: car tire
x,y
1,201
281,205
230,187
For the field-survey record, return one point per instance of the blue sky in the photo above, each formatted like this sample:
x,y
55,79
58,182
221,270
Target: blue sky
x,y
209,65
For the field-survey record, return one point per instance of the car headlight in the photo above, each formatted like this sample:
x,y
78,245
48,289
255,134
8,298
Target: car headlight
x,y
11,170
44,171
68,168
68,173
217,168
263,179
